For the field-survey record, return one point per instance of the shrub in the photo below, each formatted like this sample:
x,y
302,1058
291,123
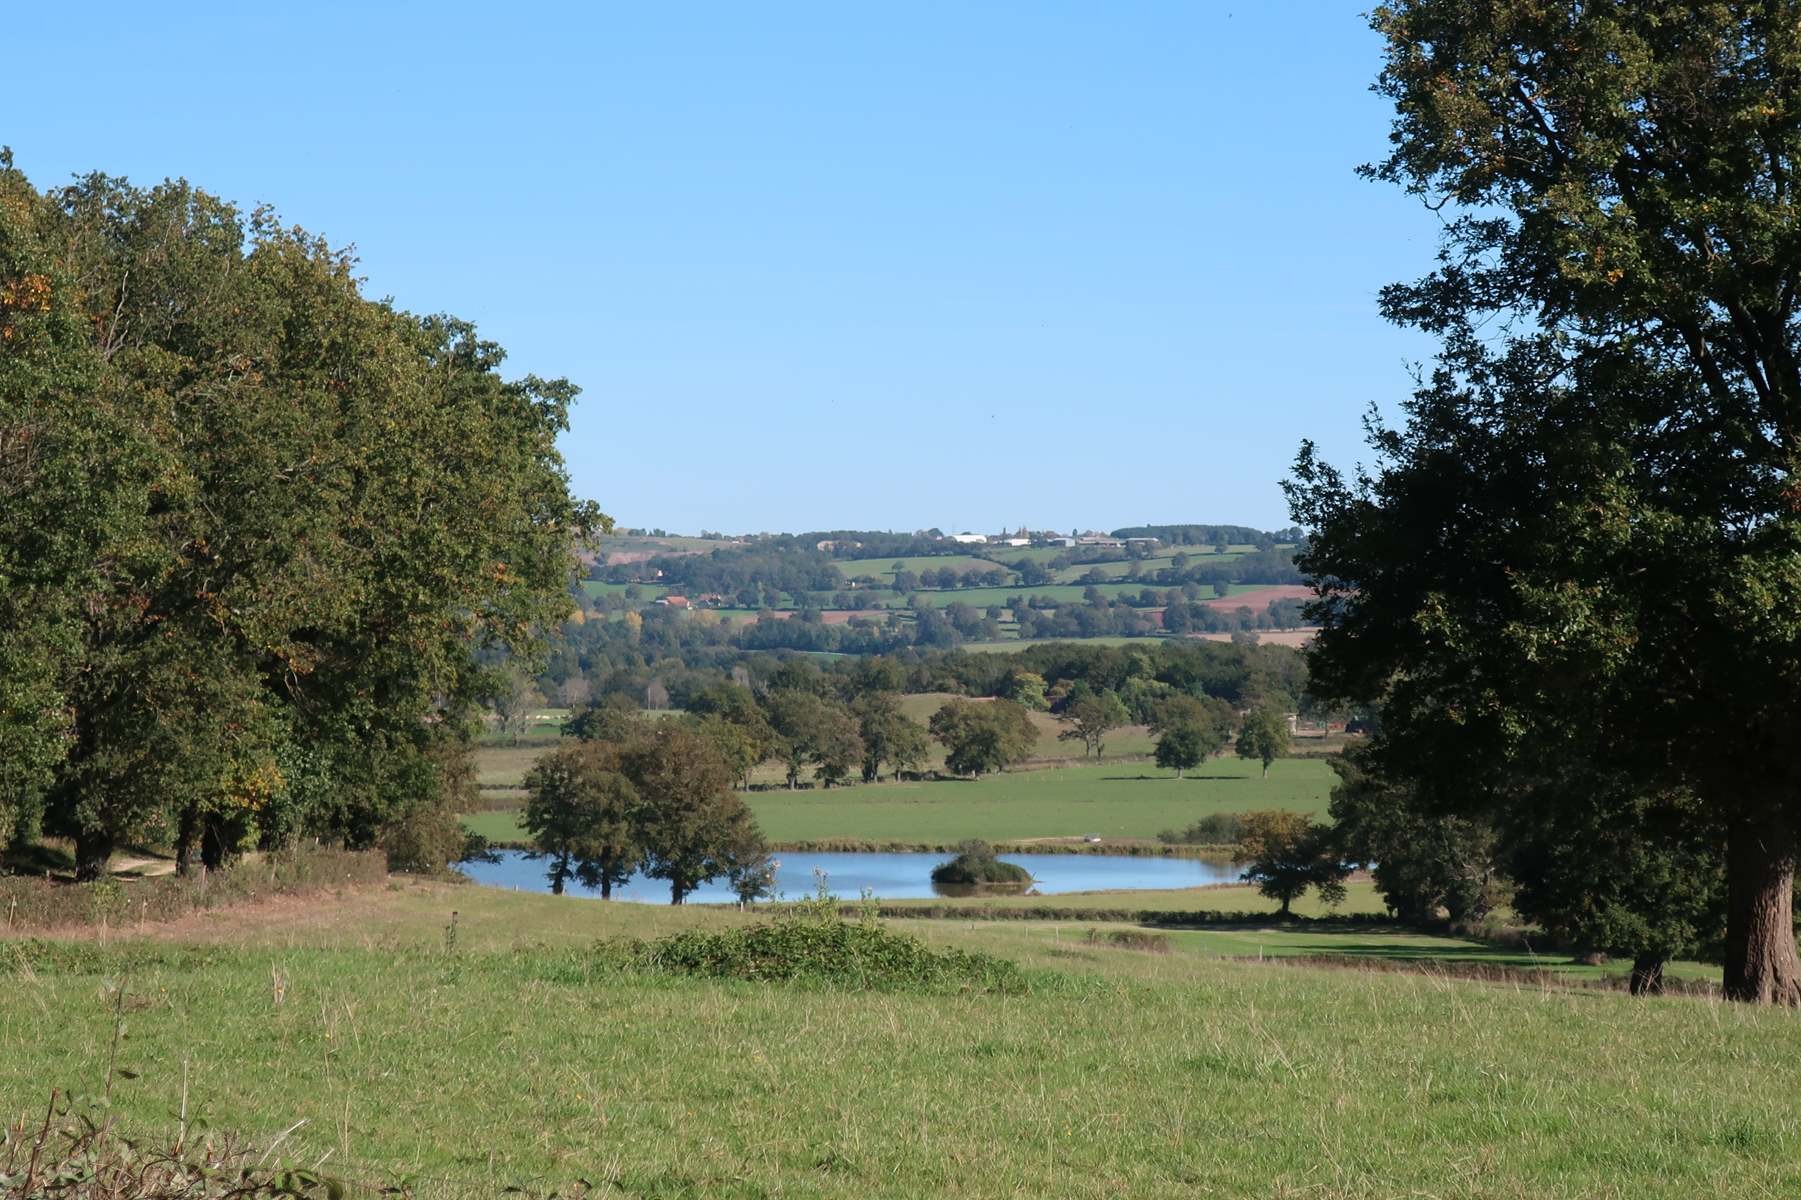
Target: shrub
x,y
1216,829
1131,939
63,1153
976,864
814,947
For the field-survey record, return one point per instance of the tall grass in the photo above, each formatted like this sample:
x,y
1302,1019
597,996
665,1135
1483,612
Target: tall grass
x,y
32,903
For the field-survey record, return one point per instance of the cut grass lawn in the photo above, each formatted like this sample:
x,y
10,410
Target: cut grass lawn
x,y
1119,1073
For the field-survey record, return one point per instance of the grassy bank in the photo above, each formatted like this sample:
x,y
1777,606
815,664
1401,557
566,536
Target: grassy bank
x,y
1118,1072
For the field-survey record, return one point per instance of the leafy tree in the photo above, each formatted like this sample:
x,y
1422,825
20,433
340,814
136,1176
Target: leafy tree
x,y
1263,736
979,738
889,736
1423,861
307,519
1026,689
1285,853
514,698
1637,235
1091,718
752,875
614,719
814,730
694,827
1181,747
582,814
1604,867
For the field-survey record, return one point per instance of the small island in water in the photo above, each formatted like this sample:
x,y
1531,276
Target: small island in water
x,y
976,867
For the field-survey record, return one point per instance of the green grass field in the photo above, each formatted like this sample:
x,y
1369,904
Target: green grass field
x,y
1110,800
383,1054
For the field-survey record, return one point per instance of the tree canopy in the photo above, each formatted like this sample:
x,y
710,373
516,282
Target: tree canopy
x,y
261,529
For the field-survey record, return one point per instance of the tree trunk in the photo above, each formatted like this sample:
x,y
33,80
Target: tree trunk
x,y
1761,966
186,833
93,850
606,885
1647,975
212,846
676,892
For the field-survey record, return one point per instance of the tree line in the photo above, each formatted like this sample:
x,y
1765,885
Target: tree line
x,y
258,528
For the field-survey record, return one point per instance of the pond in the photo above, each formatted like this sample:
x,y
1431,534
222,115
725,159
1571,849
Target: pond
x,y
888,876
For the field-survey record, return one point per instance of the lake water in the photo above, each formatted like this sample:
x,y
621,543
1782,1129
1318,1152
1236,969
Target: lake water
x,y
887,876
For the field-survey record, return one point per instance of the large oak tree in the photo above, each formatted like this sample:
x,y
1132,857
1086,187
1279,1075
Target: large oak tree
x,y
1590,520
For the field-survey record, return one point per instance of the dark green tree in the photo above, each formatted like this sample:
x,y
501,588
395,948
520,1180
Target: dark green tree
x,y
694,827
1090,719
1617,184
1285,853
583,816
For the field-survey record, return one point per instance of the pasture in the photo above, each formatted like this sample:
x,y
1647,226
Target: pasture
x,y
1110,800
384,1051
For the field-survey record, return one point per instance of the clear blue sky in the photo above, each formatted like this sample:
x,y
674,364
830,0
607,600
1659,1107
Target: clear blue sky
x,y
823,265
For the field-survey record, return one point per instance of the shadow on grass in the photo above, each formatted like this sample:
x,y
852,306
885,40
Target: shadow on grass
x,y
36,858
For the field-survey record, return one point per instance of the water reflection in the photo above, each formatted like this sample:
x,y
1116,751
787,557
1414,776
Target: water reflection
x,y
889,876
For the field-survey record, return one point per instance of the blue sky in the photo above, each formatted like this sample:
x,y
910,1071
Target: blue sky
x,y
833,265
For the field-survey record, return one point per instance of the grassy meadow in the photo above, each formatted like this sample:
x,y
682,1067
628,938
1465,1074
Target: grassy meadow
x,y
1111,800
506,1060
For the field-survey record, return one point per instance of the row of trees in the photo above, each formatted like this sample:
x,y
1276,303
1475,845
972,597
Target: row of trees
x,y
650,796
258,528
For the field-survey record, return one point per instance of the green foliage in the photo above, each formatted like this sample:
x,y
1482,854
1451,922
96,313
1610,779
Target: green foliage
x,y
979,738
1214,829
279,523
1284,854
583,815
975,865
692,826
1091,717
1263,736
1423,860
823,953
1578,550
889,736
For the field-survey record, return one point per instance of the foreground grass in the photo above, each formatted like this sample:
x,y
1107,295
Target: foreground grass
x,y
1119,1073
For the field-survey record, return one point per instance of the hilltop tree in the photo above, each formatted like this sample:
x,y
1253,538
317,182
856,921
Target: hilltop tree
x,y
1285,853
1624,175
583,816
1263,736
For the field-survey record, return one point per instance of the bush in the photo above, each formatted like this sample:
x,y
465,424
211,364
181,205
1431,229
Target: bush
x,y
60,1152
817,949
976,865
1131,939
1218,829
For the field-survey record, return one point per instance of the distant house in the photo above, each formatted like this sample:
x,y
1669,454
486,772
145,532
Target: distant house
x,y
673,601
1015,541
969,539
